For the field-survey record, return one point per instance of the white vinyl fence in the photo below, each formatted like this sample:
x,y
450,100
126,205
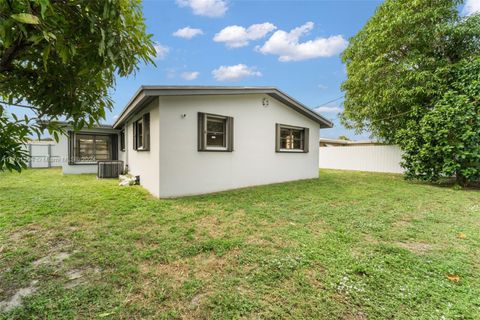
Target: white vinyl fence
x,y
43,155
374,158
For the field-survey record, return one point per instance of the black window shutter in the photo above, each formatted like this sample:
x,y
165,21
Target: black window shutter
x,y
305,140
122,140
146,131
201,129
134,127
230,133
114,154
71,150
277,137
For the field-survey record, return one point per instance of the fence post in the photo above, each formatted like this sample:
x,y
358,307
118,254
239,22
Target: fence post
x,y
29,155
49,155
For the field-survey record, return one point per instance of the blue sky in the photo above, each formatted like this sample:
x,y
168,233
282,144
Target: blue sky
x,y
292,45
267,54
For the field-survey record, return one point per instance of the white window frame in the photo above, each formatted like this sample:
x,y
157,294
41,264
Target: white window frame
x,y
224,133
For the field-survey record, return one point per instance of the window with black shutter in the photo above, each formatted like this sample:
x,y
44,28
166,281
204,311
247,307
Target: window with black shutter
x,y
141,133
122,140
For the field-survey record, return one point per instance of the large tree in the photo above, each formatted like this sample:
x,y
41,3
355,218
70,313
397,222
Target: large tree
x,y
403,69
446,140
59,59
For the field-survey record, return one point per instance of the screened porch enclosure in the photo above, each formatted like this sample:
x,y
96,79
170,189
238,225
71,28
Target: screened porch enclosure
x,y
88,148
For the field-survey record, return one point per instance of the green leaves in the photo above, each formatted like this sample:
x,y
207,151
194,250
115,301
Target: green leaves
x,y
63,57
407,71
398,60
446,140
13,135
26,18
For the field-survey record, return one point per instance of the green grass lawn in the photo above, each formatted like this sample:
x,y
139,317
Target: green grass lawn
x,y
347,245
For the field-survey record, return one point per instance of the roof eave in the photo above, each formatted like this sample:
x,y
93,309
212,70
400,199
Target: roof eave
x,y
146,92
285,98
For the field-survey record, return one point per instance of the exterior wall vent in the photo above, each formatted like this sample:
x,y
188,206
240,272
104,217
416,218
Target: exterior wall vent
x,y
109,168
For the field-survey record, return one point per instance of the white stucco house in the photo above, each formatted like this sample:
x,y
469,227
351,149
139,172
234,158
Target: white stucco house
x,y
187,140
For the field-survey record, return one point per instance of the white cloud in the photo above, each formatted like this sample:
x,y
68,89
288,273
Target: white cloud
x,y
191,75
187,33
329,109
471,7
333,107
322,87
115,117
208,8
238,36
161,51
287,46
236,72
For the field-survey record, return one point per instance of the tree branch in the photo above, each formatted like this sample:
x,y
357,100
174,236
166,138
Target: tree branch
x,y
18,105
10,54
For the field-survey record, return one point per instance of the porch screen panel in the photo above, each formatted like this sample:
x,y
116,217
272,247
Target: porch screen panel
x,y
93,147
84,148
102,147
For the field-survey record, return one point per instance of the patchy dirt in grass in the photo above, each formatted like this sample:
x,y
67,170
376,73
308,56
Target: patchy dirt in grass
x,y
54,259
218,224
43,238
24,232
416,247
313,277
17,298
76,277
354,316
168,280
272,242
74,274
402,224
208,264
154,288
318,227
211,225
195,308
360,249
15,295
177,271
368,238
203,266
402,221
198,300
257,241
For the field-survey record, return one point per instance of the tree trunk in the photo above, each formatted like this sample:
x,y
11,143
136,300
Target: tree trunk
x,y
460,179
